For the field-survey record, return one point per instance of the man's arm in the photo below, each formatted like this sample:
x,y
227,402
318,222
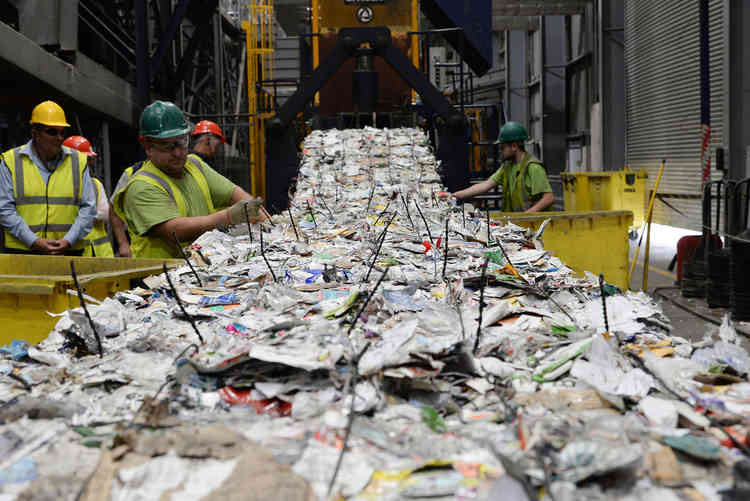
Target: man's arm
x,y
539,185
9,218
102,203
86,212
120,234
477,189
544,202
190,228
239,194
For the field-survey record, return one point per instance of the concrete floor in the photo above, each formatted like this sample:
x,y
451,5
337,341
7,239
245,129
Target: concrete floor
x,y
663,248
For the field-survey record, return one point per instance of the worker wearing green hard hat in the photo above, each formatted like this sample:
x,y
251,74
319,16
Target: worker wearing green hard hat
x,y
521,175
172,196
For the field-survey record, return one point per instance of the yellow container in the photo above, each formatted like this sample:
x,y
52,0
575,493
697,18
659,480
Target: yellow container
x,y
586,241
614,190
30,286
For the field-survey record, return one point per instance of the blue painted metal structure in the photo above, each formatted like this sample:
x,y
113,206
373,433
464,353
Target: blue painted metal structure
x,y
474,42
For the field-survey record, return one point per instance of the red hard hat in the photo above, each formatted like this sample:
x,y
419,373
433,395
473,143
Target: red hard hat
x,y
81,144
207,126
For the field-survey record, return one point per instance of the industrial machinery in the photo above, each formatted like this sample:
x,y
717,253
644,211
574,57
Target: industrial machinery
x,y
365,64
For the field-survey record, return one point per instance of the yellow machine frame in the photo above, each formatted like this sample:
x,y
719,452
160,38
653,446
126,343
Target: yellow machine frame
x,y
414,21
477,135
260,48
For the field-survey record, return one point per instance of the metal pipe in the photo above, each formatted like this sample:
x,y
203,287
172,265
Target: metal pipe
x,y
85,309
705,69
649,217
241,78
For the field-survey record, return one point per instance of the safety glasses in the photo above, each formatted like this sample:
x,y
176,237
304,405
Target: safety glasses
x,y
52,132
179,143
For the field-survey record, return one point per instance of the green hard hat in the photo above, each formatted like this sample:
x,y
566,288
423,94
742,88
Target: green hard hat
x,y
162,120
512,132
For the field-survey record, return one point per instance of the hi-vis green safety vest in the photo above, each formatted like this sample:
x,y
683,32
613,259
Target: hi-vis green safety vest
x,y
515,198
97,242
153,246
49,209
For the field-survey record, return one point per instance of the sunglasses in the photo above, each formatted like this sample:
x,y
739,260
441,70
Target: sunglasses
x,y
178,144
54,132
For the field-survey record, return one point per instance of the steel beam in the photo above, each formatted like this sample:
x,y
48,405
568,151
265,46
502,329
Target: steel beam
x,y
612,84
200,33
554,121
517,91
142,65
738,73
87,82
521,23
538,7
165,42
218,64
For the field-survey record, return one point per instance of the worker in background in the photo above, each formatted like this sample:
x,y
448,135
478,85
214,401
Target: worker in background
x,y
173,195
47,199
119,228
521,175
97,242
207,139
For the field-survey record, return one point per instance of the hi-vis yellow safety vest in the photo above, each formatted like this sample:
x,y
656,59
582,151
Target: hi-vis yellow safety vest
x,y
152,246
515,198
97,242
49,209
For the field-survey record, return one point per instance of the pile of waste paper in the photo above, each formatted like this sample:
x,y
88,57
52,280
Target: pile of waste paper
x,y
371,342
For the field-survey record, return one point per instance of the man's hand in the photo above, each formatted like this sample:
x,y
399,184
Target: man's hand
x,y
61,246
124,250
44,245
237,212
51,247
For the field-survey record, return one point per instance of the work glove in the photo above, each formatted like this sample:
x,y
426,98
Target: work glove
x,y
237,211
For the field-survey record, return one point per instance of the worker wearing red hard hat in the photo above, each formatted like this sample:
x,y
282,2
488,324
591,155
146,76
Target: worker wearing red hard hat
x,y
97,242
207,139
81,144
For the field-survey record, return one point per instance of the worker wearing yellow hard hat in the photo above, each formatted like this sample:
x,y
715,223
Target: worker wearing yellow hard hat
x,y
47,200
171,199
97,242
521,175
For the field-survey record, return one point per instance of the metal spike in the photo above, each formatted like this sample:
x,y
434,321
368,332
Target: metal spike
x,y
481,303
291,218
179,303
263,253
184,256
85,309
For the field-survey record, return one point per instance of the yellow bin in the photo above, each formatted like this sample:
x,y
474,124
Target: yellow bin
x,y
613,190
594,241
30,286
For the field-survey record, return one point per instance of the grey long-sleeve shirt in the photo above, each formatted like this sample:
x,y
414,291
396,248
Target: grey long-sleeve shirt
x,y
15,224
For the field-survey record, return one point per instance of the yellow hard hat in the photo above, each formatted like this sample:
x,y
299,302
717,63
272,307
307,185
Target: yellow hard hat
x,y
48,113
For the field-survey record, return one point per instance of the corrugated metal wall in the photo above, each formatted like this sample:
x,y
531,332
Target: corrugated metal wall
x,y
663,97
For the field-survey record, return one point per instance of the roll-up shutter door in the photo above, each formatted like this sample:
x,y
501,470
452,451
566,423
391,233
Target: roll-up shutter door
x,y
662,71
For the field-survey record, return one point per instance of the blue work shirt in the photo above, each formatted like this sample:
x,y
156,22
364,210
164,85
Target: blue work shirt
x,y
15,224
